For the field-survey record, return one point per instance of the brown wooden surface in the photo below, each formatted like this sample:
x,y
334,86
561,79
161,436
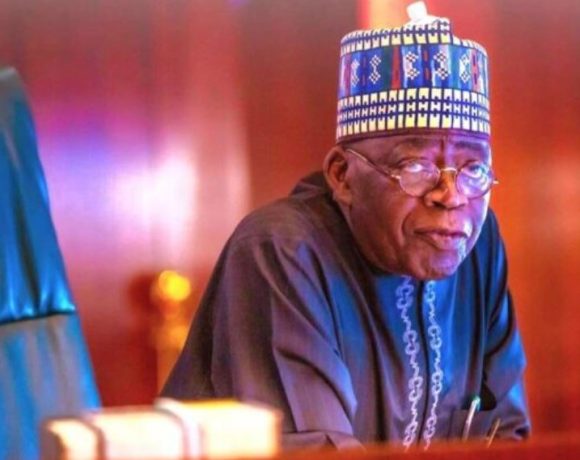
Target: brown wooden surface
x,y
555,447
162,122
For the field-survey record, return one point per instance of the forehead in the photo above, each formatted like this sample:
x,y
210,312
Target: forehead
x,y
437,145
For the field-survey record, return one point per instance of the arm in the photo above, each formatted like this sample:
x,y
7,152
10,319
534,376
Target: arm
x,y
271,341
504,362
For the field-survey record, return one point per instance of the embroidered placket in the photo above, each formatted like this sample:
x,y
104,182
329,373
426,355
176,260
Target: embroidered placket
x,y
435,344
404,296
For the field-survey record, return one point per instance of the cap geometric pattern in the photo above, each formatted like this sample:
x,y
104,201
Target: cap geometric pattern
x,y
411,77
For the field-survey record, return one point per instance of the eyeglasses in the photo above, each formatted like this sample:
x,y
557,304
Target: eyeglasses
x,y
417,177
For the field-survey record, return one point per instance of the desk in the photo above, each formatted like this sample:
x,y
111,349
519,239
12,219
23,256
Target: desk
x,y
561,447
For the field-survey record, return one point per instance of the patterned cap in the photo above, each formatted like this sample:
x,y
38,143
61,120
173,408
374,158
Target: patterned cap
x,y
414,77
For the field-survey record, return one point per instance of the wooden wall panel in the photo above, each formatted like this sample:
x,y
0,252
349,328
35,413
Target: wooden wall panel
x,y
537,141
289,71
137,105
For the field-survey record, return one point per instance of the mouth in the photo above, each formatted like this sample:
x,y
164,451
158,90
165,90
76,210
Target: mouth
x,y
445,239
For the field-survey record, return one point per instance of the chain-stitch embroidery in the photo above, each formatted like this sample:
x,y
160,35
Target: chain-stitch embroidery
x,y
410,338
435,343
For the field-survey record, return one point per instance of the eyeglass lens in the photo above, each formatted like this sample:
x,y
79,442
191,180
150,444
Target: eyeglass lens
x,y
469,184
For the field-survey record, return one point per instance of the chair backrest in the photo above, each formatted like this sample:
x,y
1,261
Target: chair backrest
x,y
45,369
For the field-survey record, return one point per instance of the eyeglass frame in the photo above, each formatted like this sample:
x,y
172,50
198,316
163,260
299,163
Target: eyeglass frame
x,y
387,173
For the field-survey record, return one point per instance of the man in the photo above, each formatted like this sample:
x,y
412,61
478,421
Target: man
x,y
372,303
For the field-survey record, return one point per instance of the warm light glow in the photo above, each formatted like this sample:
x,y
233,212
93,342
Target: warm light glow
x,y
382,13
172,286
174,203
161,199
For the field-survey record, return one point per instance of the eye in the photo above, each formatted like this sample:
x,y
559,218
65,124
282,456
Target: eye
x,y
416,167
475,170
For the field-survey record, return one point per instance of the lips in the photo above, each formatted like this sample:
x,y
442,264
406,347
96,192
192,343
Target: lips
x,y
443,238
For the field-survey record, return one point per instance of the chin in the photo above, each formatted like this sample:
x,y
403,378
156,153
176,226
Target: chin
x,y
435,270
441,272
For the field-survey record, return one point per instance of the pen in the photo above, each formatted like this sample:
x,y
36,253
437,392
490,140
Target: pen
x,y
492,432
473,408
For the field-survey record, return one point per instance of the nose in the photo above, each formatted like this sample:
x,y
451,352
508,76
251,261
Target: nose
x,y
445,193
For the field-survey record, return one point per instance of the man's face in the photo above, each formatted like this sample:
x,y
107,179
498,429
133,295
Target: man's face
x,y
426,237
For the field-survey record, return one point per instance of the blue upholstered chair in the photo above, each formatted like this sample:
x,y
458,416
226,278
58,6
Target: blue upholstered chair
x,y
44,365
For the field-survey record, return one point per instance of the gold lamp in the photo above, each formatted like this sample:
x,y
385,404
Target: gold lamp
x,y
170,292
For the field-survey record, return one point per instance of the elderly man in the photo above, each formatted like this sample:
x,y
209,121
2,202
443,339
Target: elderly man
x,y
372,304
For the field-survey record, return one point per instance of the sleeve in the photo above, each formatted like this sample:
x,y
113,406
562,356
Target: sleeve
x,y
272,341
503,387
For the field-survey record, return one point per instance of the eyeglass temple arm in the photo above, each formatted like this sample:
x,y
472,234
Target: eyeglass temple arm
x,y
376,167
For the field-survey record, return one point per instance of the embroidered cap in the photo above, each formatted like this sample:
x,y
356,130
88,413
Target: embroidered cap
x,y
418,76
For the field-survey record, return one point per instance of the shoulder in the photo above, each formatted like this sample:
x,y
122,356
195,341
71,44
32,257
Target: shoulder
x,y
490,230
300,219
286,218
486,269
303,235
486,265
489,248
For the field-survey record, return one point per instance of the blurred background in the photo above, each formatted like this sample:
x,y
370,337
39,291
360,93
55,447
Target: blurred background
x,y
162,122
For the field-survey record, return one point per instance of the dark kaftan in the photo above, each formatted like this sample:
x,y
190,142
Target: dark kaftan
x,y
296,318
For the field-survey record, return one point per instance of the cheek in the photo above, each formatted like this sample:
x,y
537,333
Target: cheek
x,y
391,214
380,215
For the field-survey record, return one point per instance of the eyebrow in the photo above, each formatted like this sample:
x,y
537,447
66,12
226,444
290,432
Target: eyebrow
x,y
419,142
415,142
476,146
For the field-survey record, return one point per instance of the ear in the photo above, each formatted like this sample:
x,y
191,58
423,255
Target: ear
x,y
335,168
